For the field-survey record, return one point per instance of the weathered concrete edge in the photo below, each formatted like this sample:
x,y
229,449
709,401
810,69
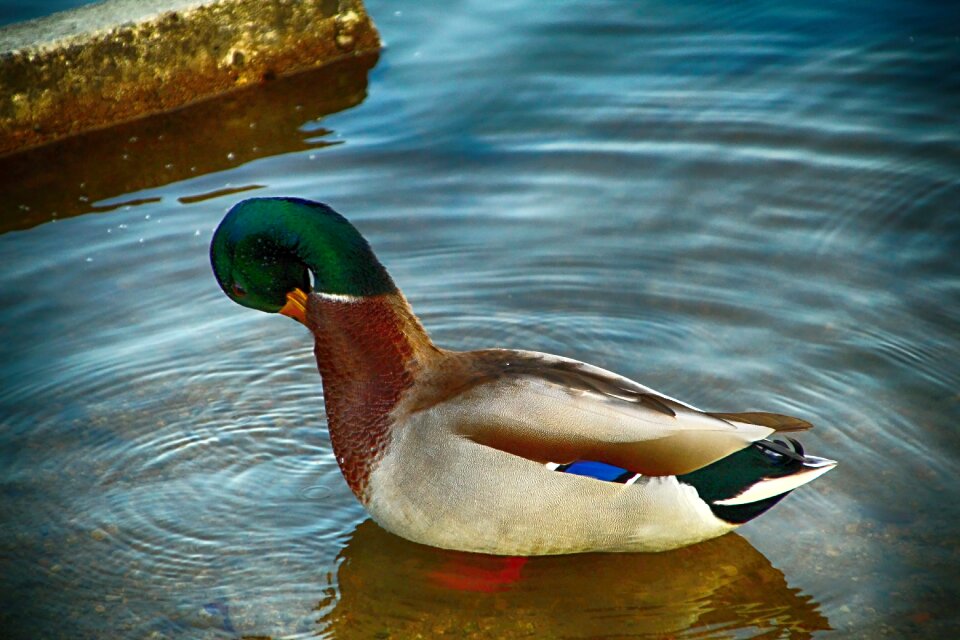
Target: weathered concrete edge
x,y
76,81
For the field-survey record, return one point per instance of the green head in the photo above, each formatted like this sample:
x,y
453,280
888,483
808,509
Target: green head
x,y
266,248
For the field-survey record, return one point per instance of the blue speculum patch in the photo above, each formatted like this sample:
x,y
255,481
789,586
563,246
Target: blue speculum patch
x,y
598,470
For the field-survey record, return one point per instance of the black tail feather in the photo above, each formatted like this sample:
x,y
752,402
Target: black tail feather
x,y
731,476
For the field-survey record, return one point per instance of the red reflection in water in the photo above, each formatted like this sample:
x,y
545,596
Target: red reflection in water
x,y
486,574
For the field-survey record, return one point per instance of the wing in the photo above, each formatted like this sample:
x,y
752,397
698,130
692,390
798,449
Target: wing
x,y
553,409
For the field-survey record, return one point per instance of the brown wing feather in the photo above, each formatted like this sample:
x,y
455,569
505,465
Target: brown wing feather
x,y
776,421
679,453
571,374
551,409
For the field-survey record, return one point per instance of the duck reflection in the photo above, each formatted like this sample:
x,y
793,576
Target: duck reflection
x,y
390,588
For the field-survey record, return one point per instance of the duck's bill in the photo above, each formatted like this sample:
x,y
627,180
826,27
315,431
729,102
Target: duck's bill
x,y
296,306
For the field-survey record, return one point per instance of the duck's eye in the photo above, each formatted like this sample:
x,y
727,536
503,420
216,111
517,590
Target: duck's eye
x,y
239,291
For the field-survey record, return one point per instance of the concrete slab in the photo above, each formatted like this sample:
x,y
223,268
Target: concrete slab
x,y
122,59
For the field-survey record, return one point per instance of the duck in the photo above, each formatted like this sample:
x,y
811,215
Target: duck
x,y
496,451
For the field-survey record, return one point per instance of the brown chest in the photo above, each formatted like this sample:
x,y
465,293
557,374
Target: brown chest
x,y
365,350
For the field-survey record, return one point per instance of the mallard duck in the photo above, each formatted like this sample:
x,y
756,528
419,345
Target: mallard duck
x,y
496,451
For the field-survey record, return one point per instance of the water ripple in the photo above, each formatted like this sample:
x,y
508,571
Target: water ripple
x,y
748,207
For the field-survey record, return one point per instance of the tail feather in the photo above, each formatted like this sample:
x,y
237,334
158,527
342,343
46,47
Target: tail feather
x,y
741,486
776,421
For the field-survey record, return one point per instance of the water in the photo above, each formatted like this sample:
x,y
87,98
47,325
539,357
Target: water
x,y
745,206
19,10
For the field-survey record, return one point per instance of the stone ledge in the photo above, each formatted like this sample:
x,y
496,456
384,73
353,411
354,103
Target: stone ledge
x,y
122,59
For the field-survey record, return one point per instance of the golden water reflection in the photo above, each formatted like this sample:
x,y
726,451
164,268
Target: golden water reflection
x,y
391,588
69,177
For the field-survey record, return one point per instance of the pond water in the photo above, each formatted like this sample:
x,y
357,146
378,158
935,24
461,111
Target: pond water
x,y
748,206
19,10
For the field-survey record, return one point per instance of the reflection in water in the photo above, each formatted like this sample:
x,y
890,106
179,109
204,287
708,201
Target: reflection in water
x,y
210,136
391,588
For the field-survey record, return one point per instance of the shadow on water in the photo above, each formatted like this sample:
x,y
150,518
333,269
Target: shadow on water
x,y
721,587
210,136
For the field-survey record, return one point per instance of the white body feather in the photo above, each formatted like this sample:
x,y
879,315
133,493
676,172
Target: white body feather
x,y
445,490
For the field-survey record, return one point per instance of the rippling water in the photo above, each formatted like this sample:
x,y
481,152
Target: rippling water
x,y
746,206
19,10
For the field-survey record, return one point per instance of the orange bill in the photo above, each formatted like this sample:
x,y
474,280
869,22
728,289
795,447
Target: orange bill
x,y
296,306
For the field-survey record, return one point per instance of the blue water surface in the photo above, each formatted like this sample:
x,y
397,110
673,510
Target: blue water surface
x,y
20,10
749,206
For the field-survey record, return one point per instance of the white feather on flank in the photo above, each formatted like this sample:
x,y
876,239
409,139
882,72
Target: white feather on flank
x,y
337,297
770,487
633,479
